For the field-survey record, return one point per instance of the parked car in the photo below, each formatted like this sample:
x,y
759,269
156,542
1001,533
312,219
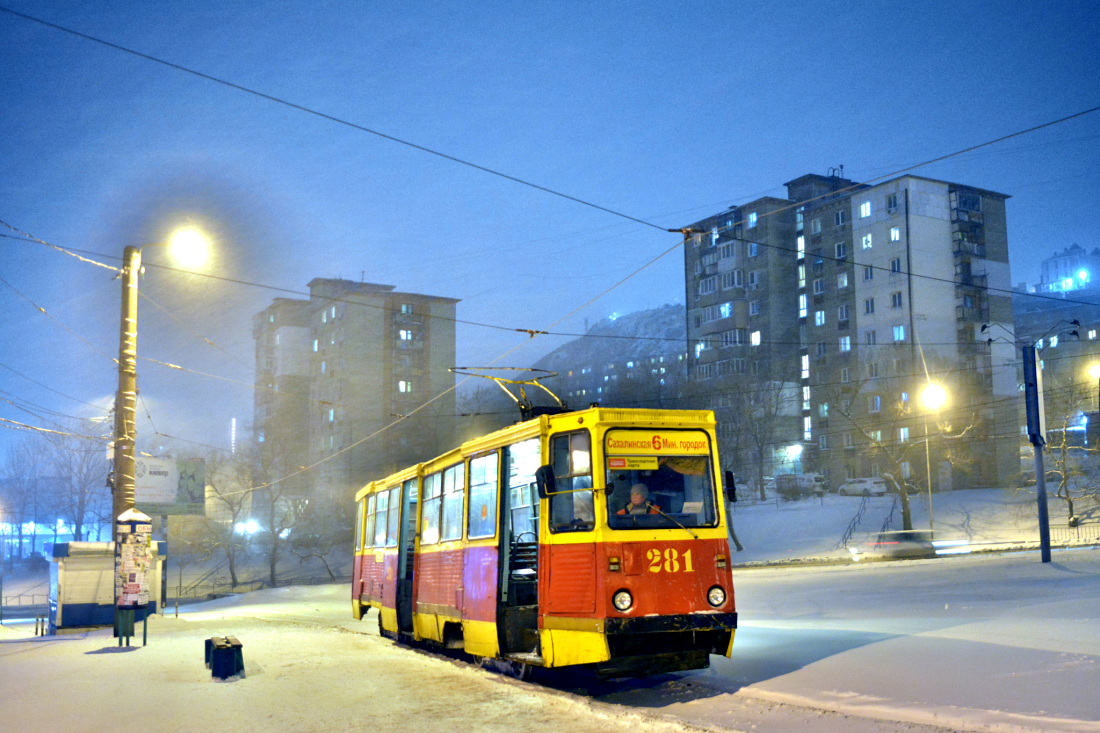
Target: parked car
x,y
796,485
862,487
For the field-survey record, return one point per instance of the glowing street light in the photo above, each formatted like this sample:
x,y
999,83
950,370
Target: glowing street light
x,y
189,246
933,397
1094,372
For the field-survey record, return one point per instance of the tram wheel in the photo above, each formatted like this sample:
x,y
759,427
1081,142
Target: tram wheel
x,y
520,670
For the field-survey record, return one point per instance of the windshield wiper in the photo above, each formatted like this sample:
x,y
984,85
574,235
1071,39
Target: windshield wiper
x,y
672,519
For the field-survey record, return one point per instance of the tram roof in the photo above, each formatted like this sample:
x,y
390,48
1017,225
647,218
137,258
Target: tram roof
x,y
590,417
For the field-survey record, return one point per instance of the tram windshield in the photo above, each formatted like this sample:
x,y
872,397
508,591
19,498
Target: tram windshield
x,y
659,479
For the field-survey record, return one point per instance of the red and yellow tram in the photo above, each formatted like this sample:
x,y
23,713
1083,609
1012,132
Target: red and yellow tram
x,y
596,537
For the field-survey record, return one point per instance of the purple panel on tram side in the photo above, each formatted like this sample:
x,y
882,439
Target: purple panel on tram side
x,y
479,581
389,582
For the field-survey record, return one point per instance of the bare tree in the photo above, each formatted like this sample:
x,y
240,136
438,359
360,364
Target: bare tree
x,y
1065,402
20,488
229,482
80,466
324,532
753,415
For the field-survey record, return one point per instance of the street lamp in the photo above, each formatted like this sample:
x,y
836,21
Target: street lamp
x,y
933,397
188,245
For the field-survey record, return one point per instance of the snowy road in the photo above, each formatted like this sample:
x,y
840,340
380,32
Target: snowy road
x,y
999,643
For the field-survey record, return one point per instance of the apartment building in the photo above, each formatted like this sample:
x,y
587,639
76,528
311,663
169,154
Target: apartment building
x,y
877,290
340,377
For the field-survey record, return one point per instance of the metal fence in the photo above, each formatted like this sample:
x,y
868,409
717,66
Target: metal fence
x,y
24,605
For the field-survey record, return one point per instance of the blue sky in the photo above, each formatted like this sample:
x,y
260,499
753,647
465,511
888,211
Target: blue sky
x,y
664,112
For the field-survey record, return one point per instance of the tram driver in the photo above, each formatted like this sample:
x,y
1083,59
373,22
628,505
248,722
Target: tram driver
x,y
639,502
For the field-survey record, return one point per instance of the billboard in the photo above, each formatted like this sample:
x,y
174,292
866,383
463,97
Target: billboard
x,y
167,486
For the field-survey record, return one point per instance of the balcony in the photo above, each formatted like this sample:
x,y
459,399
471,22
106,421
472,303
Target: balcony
x,y
972,249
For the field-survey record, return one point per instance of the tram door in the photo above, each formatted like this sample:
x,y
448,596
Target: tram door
x,y
406,556
519,550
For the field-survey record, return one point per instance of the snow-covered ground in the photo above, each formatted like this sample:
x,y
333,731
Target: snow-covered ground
x,y
813,528
991,642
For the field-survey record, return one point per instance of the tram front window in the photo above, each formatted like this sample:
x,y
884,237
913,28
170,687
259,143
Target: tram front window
x,y
660,491
571,505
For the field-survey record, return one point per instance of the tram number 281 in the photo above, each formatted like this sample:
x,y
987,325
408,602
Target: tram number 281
x,y
669,561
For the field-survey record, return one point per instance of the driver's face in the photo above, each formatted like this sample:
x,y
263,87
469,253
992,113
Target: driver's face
x,y
637,499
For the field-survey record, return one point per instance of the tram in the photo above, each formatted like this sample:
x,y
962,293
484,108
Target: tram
x,y
594,537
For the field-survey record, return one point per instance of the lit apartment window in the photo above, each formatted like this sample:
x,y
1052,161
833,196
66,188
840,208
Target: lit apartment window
x,y
866,241
895,234
316,344
323,367
819,318
331,414
841,280
845,345
899,334
754,338
801,305
807,428
405,334
805,366
800,244
864,209
404,387
903,435
1092,334
801,276
815,226
752,219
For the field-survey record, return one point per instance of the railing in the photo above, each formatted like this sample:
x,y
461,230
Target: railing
x,y
854,523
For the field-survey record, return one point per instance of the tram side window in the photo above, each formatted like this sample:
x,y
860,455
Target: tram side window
x,y
368,530
381,505
433,498
360,517
571,506
454,489
394,516
483,496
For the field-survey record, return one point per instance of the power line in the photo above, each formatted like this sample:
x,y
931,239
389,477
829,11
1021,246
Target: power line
x,y
331,118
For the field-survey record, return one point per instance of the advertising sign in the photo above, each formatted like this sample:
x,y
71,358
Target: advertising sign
x,y
167,486
133,559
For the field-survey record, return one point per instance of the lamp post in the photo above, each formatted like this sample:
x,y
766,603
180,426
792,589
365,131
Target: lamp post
x,y
189,247
933,397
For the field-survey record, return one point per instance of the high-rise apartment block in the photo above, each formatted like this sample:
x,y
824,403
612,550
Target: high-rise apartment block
x,y
826,314
334,375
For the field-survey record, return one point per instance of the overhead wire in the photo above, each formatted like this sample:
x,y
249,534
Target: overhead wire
x,y
485,169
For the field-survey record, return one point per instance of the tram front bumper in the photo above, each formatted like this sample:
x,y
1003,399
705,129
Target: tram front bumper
x,y
685,641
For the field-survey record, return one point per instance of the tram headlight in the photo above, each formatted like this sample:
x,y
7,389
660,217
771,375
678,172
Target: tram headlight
x,y
716,596
622,600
